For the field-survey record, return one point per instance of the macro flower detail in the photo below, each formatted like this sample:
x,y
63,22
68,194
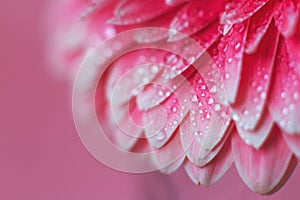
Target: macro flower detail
x,y
238,107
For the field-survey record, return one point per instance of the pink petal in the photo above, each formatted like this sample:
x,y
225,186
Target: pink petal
x,y
160,89
124,140
213,171
207,36
70,39
286,16
192,48
231,50
193,17
263,169
258,26
285,94
255,82
258,136
154,35
210,119
195,143
170,157
131,72
293,46
177,68
136,11
122,133
127,75
293,142
166,117
236,12
124,122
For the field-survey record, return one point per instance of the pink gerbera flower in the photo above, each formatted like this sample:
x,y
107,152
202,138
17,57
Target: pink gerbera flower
x,y
255,46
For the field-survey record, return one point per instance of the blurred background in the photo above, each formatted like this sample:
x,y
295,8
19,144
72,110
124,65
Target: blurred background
x,y
41,156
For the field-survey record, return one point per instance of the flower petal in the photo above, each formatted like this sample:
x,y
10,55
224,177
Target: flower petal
x,y
122,132
285,94
262,169
193,17
258,136
170,157
255,81
166,117
213,171
231,50
197,153
293,46
192,49
258,26
131,72
154,35
286,16
293,142
236,12
210,119
136,11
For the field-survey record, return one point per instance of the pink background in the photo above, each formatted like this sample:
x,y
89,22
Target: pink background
x,y
41,155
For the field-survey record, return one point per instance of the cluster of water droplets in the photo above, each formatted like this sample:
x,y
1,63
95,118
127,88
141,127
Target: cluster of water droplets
x,y
289,95
191,19
236,12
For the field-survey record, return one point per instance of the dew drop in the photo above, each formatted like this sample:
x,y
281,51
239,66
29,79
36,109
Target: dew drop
x,y
259,88
235,117
227,75
154,69
292,107
263,95
253,84
296,95
194,99
210,101
285,111
208,116
174,109
237,46
213,89
160,135
160,93
246,112
283,94
282,123
217,107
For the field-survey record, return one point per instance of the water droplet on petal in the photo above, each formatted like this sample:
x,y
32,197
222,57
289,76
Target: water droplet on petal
x,y
194,99
296,95
210,101
160,135
285,111
174,109
217,107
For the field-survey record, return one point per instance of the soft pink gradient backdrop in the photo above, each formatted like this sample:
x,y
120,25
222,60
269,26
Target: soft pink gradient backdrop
x,y
41,155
